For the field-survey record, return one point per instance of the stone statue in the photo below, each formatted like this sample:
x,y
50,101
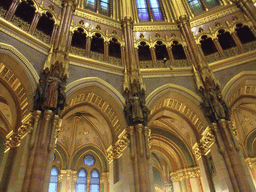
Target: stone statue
x,y
61,100
145,111
52,92
217,106
137,115
128,112
39,95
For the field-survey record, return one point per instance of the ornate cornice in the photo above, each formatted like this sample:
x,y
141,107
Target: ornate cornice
x,y
14,138
187,173
154,27
115,151
99,19
214,16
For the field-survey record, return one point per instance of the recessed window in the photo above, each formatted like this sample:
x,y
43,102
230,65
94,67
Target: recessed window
x,y
89,160
53,186
149,10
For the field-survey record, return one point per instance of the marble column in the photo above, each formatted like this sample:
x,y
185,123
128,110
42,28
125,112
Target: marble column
x,y
9,14
219,48
106,51
153,56
88,46
34,23
238,42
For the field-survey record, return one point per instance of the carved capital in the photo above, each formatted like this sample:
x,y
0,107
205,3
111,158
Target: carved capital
x,y
186,173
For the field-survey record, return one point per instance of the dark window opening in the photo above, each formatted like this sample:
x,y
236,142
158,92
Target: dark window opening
x,y
97,44
207,45
226,40
144,52
26,11
79,39
5,4
244,34
46,23
161,51
114,48
178,51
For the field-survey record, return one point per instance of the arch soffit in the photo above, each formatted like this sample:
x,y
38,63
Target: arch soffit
x,y
159,100
22,61
180,148
226,29
237,87
113,115
207,33
74,28
62,153
94,31
95,81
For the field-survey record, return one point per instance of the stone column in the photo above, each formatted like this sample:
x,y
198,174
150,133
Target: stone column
x,y
219,48
188,56
42,143
68,180
54,32
9,14
106,51
238,42
153,56
34,23
88,46
123,55
170,54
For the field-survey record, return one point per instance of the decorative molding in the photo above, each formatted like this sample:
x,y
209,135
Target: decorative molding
x,y
98,19
156,27
181,108
13,138
96,100
57,2
214,16
115,151
187,173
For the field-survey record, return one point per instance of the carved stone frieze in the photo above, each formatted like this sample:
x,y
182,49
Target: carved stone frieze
x,y
14,138
115,151
187,173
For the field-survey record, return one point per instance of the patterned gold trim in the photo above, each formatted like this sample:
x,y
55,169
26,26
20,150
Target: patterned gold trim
x,y
98,18
114,152
214,16
187,173
159,27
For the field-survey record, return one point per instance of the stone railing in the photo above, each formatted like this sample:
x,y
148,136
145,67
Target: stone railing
x,y
96,56
146,64
20,23
2,11
249,46
163,64
77,51
232,52
114,61
42,36
213,57
180,63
